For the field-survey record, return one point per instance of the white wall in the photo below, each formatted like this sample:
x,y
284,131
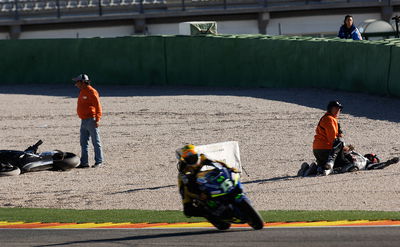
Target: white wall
x,y
313,24
4,36
238,27
223,27
289,26
163,29
81,33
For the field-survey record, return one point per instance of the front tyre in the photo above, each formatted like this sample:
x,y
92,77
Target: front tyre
x,y
253,218
220,225
9,170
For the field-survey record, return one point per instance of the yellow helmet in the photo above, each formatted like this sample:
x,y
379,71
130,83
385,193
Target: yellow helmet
x,y
188,154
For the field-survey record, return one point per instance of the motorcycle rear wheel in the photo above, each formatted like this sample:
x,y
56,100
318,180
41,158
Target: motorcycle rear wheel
x,y
69,161
252,216
36,167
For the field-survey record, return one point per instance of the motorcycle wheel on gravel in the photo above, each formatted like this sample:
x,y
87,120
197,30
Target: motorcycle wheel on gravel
x,y
252,216
220,225
68,162
37,166
9,171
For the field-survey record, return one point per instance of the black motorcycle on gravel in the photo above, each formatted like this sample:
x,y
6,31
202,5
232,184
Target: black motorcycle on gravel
x,y
14,162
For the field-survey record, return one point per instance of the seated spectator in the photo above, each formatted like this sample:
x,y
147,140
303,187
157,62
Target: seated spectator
x,y
348,30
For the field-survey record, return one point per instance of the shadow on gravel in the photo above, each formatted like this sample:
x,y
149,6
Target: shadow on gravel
x,y
356,104
141,189
139,237
261,181
320,180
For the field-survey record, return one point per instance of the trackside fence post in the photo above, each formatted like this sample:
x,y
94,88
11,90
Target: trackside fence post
x,y
58,9
16,10
100,8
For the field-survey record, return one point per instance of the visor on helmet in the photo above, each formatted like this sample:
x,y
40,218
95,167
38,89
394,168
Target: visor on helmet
x,y
188,154
191,159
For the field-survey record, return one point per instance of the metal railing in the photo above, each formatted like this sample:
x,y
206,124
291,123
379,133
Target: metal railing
x,y
22,9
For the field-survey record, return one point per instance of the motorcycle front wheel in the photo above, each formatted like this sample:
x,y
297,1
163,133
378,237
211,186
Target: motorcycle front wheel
x,y
220,225
252,216
9,171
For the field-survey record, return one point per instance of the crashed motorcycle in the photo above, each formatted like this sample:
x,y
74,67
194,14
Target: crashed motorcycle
x,y
365,162
14,162
226,203
357,162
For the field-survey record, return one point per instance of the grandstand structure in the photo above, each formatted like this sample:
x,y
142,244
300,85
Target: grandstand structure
x,y
17,16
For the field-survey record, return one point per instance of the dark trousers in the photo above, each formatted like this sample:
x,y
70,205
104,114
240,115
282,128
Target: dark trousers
x,y
335,154
190,210
321,155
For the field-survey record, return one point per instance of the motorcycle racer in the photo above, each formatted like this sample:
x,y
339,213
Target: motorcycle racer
x,y
355,162
189,165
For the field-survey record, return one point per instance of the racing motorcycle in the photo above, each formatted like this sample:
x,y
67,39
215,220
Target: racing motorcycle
x,y
14,162
365,162
226,203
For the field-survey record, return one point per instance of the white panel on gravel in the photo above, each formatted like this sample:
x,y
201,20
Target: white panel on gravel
x,y
227,152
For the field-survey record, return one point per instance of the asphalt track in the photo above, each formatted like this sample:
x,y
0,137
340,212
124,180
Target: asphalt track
x,y
365,236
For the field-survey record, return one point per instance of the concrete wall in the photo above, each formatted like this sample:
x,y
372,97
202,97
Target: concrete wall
x,y
307,25
4,35
105,32
224,27
238,27
313,24
163,29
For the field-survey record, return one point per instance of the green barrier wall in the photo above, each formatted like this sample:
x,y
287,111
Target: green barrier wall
x,y
278,62
394,80
136,60
253,60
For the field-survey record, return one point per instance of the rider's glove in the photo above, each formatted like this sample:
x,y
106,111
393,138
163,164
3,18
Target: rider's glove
x,y
185,179
235,170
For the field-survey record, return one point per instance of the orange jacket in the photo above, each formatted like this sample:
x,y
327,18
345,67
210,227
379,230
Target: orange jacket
x,y
89,104
326,132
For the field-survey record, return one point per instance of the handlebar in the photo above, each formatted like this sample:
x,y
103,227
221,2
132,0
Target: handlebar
x,y
34,147
37,144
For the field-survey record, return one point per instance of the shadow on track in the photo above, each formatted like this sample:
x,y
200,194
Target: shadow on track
x,y
140,237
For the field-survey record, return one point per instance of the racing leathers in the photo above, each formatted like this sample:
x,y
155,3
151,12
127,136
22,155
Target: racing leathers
x,y
188,187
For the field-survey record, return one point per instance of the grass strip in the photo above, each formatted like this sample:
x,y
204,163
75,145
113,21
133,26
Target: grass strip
x,y
173,216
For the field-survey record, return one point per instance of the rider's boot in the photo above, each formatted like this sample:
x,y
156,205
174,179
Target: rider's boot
x,y
336,149
327,172
303,168
312,170
328,167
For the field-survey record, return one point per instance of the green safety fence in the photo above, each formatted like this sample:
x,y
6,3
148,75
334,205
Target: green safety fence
x,y
394,71
210,60
278,62
128,60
